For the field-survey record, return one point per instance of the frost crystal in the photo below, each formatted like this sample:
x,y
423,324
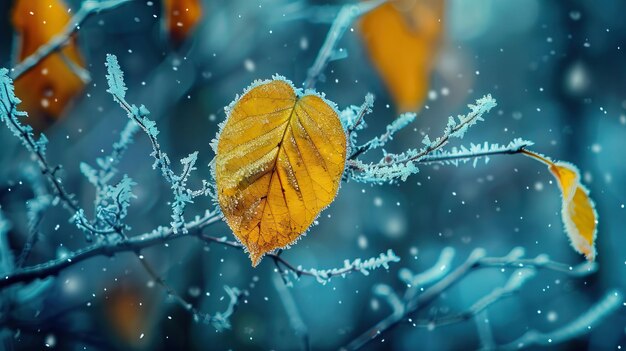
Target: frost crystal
x,y
474,152
115,77
363,266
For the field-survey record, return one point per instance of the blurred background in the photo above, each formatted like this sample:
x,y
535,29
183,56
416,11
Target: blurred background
x,y
556,69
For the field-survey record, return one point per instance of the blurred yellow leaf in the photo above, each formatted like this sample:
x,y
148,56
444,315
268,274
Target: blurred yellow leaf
x,y
181,17
280,158
48,87
578,210
402,38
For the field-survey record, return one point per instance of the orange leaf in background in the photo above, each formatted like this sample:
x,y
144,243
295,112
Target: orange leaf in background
x,y
402,39
129,311
48,87
280,158
181,17
578,210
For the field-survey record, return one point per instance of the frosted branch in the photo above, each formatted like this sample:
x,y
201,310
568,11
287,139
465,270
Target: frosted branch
x,y
162,235
363,266
578,327
182,195
35,210
108,165
394,167
474,152
435,273
413,304
398,124
478,311
353,117
87,9
347,14
10,115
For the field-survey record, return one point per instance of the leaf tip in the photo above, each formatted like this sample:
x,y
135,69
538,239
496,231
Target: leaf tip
x,y
255,257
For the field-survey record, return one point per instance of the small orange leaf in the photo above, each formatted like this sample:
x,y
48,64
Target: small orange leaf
x,y
48,87
402,39
280,158
578,210
181,17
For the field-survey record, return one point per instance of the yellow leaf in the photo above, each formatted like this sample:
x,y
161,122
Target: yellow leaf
x,y
181,17
402,39
47,88
279,162
577,209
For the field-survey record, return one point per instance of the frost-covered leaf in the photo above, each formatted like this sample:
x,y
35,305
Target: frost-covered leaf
x,y
280,158
577,209
47,88
181,17
402,38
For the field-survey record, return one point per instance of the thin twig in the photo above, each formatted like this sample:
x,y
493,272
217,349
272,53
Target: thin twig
x,y
75,68
455,130
217,320
32,240
345,17
38,153
433,158
292,311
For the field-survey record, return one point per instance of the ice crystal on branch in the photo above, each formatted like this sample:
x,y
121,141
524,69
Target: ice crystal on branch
x,y
473,152
140,116
115,78
358,265
394,167
11,117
